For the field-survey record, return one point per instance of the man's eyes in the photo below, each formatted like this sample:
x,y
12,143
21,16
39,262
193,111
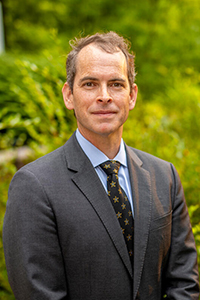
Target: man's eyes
x,y
89,84
111,84
117,84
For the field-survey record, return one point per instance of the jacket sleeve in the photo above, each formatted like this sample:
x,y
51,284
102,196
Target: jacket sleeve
x,y
32,252
181,275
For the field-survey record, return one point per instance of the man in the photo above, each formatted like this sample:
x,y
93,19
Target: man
x,y
62,237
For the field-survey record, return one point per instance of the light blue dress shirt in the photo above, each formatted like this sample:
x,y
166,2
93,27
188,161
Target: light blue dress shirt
x,y
97,157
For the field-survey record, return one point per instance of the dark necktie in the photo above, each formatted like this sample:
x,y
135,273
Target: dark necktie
x,y
120,202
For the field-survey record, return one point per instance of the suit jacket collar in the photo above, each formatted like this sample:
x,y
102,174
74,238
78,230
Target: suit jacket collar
x,y
86,179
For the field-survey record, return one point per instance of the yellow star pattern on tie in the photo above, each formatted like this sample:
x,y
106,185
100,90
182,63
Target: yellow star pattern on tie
x,y
113,184
123,206
120,202
116,199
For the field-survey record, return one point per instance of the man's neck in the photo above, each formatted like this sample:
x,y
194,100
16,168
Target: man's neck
x,y
108,144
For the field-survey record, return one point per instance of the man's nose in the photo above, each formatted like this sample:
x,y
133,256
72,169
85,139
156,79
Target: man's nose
x,y
104,95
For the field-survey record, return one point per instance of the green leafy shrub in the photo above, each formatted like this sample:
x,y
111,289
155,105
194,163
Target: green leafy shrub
x,y
6,173
31,105
196,230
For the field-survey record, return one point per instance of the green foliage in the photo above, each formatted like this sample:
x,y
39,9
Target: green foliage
x,y
6,173
196,230
165,37
31,105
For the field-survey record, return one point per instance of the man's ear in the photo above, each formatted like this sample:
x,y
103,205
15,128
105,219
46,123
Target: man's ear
x,y
133,96
68,96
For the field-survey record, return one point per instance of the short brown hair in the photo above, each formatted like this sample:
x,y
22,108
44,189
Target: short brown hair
x,y
110,42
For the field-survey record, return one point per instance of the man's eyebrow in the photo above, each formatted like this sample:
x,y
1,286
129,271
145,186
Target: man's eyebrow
x,y
96,79
118,79
87,78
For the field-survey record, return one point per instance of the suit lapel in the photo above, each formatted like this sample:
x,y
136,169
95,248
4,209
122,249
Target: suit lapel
x,y
87,180
141,190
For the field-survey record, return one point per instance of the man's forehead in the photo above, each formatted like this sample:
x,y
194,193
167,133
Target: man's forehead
x,y
95,50
93,61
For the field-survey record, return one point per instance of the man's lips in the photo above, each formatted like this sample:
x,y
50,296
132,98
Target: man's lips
x,y
104,112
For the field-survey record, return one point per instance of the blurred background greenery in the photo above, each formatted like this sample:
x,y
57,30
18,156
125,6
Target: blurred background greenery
x,y
165,36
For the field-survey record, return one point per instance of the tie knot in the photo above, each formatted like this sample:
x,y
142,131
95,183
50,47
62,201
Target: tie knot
x,y
110,167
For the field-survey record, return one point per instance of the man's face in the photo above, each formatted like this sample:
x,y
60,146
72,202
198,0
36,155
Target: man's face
x,y
101,96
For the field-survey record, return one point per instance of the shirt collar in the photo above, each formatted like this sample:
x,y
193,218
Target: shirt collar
x,y
95,155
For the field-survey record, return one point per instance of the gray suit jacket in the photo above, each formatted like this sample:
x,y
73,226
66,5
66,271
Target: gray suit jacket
x,y
62,239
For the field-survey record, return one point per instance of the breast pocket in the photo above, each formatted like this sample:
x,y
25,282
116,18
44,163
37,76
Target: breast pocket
x,y
159,241
161,222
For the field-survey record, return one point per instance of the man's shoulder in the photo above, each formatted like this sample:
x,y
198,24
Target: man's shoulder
x,y
51,160
57,162
148,160
46,163
157,168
